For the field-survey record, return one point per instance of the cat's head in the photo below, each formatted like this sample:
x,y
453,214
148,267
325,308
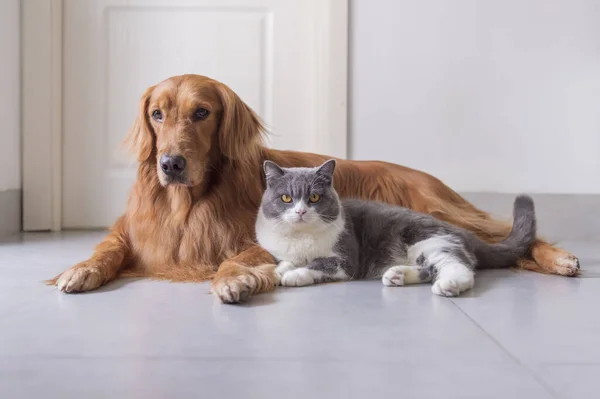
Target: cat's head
x,y
301,198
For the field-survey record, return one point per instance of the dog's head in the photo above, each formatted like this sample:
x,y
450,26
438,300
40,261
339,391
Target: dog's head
x,y
188,124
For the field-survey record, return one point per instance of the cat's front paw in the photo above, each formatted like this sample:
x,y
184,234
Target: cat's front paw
x,y
283,267
449,287
393,277
297,278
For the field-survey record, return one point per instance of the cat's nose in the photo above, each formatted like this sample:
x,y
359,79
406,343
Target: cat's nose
x,y
301,211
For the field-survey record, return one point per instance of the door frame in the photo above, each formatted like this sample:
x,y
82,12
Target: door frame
x,y
42,81
41,113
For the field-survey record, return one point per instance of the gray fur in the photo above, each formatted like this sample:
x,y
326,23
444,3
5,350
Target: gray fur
x,y
377,236
384,233
426,274
299,183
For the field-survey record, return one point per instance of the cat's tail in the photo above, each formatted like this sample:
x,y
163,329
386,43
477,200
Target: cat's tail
x,y
518,243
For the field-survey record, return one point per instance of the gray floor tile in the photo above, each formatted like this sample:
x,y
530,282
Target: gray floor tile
x,y
352,321
140,338
572,381
538,318
147,378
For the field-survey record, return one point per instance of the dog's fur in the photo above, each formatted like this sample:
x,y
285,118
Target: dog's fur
x,y
202,227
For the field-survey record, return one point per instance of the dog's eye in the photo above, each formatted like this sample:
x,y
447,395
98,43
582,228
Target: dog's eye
x,y
157,115
200,114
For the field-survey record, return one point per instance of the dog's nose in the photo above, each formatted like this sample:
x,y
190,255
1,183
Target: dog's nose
x,y
172,165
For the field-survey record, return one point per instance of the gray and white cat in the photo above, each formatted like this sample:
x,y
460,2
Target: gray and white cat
x,y
316,238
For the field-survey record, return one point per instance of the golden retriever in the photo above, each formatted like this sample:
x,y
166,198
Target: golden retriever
x,y
191,212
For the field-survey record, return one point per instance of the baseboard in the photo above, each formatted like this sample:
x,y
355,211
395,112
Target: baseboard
x,y
561,217
10,212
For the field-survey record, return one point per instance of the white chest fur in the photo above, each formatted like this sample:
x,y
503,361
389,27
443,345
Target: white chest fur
x,y
297,246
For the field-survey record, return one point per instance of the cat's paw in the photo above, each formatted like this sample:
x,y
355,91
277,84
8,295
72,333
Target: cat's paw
x,y
393,277
283,267
297,278
449,287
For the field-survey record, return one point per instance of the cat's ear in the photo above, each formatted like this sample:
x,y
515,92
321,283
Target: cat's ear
x,y
327,169
272,170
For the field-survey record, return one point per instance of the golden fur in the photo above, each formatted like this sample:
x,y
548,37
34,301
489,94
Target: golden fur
x,y
204,228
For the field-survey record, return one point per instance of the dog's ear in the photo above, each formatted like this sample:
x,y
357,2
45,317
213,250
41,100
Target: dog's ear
x,y
141,138
240,129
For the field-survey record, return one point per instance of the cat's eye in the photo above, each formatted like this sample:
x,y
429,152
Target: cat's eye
x,y
286,198
314,198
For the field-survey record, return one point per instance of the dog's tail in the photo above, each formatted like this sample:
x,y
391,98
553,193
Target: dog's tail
x,y
518,243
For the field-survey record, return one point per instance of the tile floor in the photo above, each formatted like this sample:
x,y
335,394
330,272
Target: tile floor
x,y
516,335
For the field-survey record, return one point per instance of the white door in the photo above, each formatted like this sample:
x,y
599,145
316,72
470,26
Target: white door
x,y
285,58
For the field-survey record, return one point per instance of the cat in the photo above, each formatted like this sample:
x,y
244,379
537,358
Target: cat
x,y
316,237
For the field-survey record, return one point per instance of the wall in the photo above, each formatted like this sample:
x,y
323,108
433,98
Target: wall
x,y
490,96
10,138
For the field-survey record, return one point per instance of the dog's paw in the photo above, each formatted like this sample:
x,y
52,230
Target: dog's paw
x,y
553,260
566,265
297,278
393,277
80,278
235,289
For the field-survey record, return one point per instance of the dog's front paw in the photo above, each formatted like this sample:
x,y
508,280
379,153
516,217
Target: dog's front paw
x,y
297,278
283,267
235,289
80,278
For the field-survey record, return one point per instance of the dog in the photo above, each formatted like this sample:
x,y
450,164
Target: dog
x,y
191,212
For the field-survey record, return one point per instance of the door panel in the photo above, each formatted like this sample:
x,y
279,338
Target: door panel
x,y
272,53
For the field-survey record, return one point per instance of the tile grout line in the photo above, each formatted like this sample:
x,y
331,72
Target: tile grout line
x,y
514,358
